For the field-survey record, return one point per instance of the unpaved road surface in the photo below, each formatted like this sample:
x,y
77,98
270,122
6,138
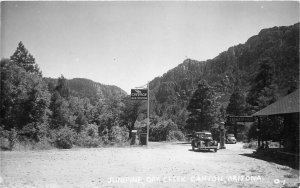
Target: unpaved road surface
x,y
158,165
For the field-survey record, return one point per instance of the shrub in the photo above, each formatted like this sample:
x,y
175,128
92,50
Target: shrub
x,y
92,130
43,144
118,134
12,137
251,145
157,133
83,140
175,136
64,138
4,139
88,137
161,130
25,144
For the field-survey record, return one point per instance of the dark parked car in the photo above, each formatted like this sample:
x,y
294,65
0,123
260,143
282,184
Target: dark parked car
x,y
204,141
230,139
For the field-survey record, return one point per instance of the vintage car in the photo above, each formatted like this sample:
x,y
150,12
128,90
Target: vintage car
x,y
230,139
204,141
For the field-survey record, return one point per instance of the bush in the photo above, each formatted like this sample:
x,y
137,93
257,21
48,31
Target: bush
x,y
25,144
4,141
12,138
175,136
8,139
251,145
91,130
88,137
43,144
118,134
161,130
84,140
64,138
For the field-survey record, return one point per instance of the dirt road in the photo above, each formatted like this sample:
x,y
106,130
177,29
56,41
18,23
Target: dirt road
x,y
158,165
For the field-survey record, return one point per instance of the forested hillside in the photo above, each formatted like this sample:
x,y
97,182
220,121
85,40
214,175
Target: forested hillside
x,y
278,47
193,96
41,113
81,87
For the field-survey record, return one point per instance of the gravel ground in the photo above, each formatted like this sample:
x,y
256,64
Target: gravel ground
x,y
158,165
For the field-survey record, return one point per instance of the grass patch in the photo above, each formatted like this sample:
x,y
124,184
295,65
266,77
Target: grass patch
x,y
31,145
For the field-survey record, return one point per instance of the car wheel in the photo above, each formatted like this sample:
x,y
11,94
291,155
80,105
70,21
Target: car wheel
x,y
216,150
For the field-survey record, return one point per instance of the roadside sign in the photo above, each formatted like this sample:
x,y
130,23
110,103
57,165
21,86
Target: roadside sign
x,y
139,94
240,119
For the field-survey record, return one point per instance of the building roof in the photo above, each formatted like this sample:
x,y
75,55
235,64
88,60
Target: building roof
x,y
286,105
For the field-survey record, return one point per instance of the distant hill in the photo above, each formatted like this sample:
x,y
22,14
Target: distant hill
x,y
82,87
170,93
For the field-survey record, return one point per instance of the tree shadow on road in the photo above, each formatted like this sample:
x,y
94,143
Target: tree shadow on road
x,y
202,151
273,159
182,143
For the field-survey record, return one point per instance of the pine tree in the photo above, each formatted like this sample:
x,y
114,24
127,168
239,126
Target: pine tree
x,y
25,60
237,103
60,111
202,108
62,87
130,112
236,107
24,100
262,91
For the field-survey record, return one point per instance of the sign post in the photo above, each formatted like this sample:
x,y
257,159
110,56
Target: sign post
x,y
139,94
148,117
143,94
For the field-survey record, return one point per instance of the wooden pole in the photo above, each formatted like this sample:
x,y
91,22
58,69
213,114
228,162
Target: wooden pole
x,y
148,117
259,131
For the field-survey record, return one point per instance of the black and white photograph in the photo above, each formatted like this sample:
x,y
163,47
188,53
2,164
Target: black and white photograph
x,y
169,94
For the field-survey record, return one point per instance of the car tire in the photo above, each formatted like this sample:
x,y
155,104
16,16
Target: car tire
x,y
216,150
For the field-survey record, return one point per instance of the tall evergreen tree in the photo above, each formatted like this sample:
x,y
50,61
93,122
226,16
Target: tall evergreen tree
x,y
25,60
62,87
236,107
24,100
202,108
262,91
130,112
60,111
59,105
237,103
13,93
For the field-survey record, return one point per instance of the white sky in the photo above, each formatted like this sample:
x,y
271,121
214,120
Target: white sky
x,y
129,43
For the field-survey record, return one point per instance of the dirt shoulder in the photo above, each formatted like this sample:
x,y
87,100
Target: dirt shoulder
x,y
158,165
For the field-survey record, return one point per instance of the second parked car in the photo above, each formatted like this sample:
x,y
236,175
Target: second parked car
x,y
230,139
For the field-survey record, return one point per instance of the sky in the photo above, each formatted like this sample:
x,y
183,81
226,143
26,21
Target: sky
x,y
128,44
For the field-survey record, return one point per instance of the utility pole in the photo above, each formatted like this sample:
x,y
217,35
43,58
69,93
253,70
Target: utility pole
x,y
148,117
141,93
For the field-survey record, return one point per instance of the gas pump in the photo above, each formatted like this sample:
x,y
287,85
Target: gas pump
x,y
222,135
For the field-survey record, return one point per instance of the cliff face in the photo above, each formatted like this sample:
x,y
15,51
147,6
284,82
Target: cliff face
x,y
277,45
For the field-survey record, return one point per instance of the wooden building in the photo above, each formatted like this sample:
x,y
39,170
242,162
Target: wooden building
x,y
288,108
